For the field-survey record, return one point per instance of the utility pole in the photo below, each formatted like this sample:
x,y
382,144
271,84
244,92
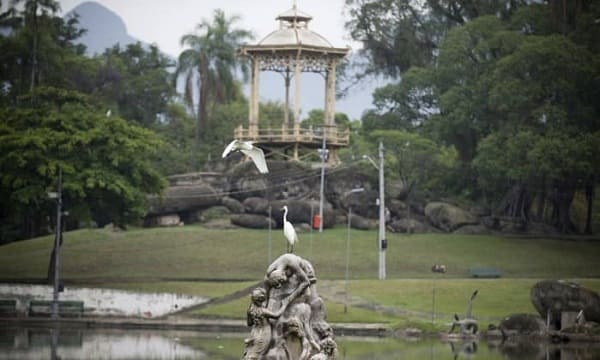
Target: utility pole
x,y
382,241
323,157
57,239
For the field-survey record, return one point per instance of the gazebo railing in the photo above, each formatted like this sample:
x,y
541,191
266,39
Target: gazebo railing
x,y
311,135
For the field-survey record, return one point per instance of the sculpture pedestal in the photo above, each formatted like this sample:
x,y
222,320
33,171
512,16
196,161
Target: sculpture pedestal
x,y
287,317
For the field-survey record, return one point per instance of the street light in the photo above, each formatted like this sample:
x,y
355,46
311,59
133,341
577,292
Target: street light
x,y
381,241
323,152
353,191
58,196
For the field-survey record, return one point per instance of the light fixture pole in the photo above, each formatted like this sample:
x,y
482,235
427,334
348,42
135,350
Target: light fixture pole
x,y
57,239
323,154
353,191
382,241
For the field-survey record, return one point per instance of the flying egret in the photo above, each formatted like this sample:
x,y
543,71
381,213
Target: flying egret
x,y
288,231
255,153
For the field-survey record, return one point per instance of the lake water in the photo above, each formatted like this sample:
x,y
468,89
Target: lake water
x,y
48,343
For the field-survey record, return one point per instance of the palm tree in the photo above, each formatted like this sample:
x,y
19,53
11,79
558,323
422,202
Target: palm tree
x,y
32,12
209,64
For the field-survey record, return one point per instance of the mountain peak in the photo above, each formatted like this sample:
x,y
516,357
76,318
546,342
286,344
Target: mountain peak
x,y
104,27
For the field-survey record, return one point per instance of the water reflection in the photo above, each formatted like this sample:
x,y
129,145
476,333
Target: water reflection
x,y
60,343
55,343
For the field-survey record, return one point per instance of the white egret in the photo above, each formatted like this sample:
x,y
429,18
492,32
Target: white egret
x,y
255,153
288,231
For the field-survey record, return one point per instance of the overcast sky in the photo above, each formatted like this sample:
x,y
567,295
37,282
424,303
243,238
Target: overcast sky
x,y
164,22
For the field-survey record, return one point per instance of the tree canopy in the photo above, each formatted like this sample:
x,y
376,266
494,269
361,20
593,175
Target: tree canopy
x,y
512,89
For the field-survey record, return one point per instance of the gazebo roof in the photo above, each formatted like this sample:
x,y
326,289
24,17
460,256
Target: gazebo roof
x,y
293,33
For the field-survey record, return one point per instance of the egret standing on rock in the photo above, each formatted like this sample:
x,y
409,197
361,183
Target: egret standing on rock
x,y
288,231
255,153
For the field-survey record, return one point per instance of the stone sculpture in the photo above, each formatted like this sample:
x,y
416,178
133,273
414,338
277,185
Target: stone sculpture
x,y
287,316
468,325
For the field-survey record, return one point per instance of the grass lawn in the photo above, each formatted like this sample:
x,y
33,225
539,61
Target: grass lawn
x,y
194,252
199,261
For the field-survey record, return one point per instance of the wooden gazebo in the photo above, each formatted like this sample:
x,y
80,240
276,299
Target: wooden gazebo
x,y
291,50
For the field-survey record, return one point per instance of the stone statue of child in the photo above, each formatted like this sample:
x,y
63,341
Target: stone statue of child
x,y
258,319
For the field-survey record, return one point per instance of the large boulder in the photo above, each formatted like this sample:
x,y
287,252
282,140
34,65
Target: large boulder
x,y
406,225
162,220
448,217
340,183
556,297
252,221
177,199
522,324
285,179
398,208
256,205
361,223
233,205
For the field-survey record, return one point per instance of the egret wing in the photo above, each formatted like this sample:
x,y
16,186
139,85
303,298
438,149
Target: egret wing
x,y
230,148
258,157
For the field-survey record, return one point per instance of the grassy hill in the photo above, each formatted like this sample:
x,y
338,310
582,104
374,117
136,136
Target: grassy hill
x,y
197,260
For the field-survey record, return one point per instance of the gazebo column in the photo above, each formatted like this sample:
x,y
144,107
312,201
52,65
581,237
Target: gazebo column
x,y
329,120
330,94
286,113
297,104
253,113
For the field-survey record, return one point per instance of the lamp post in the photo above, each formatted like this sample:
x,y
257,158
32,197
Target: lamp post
x,y
353,191
381,241
323,154
57,237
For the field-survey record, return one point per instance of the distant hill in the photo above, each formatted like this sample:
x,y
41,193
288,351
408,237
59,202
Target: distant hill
x,y
104,27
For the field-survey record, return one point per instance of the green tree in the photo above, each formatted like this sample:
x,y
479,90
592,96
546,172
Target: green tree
x,y
518,170
209,64
105,162
316,118
398,34
135,82
38,49
418,162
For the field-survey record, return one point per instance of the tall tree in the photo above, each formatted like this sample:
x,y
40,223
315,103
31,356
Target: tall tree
x,y
36,15
135,82
398,34
38,49
209,65
105,161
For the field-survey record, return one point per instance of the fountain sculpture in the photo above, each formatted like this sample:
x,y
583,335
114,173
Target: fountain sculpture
x,y
287,316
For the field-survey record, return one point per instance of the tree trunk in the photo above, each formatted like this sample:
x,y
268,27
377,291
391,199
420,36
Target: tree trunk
x,y
516,203
541,205
203,101
564,192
